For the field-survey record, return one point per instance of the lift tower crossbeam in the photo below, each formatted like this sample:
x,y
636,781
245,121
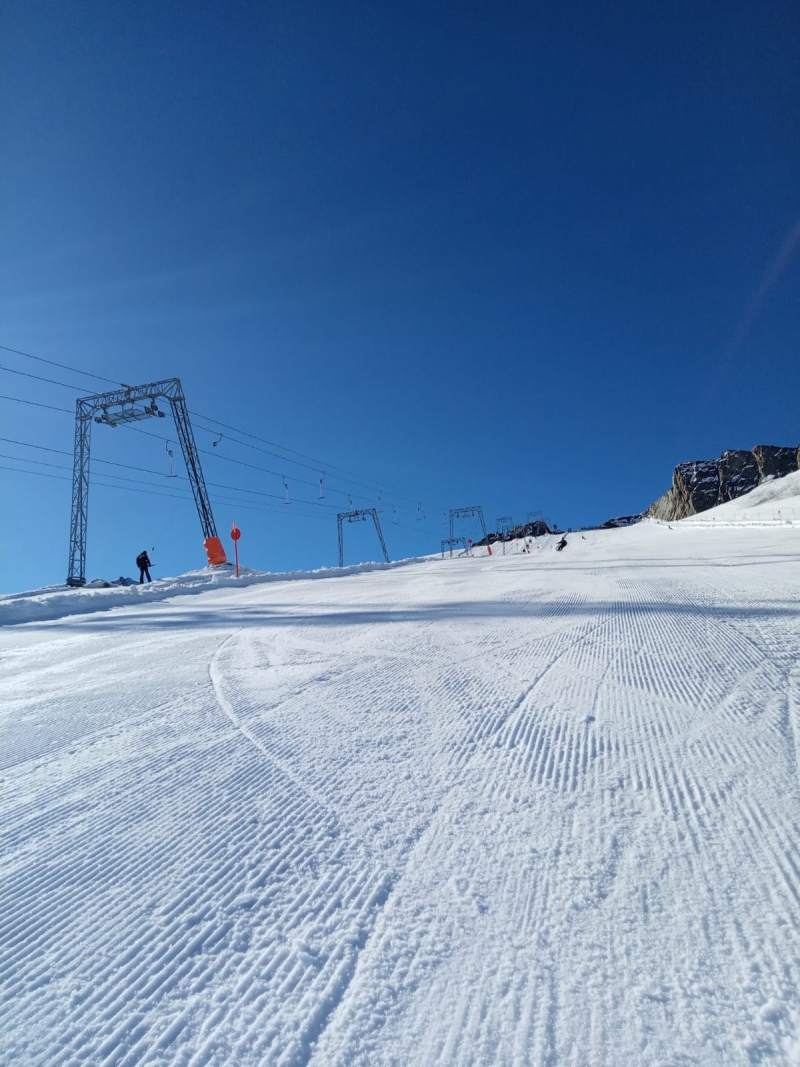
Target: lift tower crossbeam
x,y
466,513
116,408
360,515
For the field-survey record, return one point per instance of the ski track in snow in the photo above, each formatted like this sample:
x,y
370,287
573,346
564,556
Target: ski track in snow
x,y
527,810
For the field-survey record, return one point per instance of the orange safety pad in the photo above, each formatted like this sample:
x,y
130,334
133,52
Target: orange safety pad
x,y
215,551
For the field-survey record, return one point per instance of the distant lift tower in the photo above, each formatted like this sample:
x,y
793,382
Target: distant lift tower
x,y
504,525
466,513
360,516
130,404
456,542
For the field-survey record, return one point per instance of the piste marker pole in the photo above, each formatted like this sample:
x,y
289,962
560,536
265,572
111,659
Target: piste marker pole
x,y
236,533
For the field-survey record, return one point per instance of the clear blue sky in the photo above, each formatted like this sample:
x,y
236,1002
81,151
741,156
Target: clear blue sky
x,y
526,256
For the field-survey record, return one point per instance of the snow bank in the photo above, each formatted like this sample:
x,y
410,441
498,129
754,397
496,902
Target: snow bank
x,y
776,502
58,601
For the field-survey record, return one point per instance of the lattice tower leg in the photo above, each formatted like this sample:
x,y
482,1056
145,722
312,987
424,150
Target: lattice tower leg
x,y
380,535
193,469
76,574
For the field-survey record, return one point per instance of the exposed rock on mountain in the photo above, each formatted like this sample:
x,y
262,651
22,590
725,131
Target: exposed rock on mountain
x,y
615,524
738,474
527,529
704,483
776,462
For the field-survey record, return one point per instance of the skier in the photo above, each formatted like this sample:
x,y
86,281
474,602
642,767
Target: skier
x,y
144,565
561,544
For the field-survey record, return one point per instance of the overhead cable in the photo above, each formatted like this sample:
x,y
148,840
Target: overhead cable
x,y
62,366
35,403
39,378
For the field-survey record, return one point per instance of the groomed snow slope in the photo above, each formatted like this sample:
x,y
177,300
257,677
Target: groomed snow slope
x,y
773,502
524,810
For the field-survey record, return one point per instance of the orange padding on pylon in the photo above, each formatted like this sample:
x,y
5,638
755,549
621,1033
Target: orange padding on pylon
x,y
215,551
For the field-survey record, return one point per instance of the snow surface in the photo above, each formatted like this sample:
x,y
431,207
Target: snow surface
x,y
774,501
58,601
527,810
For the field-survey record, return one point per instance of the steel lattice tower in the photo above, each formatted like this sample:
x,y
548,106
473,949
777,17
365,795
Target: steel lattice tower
x,y
120,406
360,516
454,543
466,513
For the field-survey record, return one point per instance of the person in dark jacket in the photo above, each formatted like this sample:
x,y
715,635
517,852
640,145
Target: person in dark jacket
x,y
562,544
144,565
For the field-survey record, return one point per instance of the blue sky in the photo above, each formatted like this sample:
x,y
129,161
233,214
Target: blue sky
x,y
521,255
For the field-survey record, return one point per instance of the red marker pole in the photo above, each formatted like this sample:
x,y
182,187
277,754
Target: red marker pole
x,y
235,535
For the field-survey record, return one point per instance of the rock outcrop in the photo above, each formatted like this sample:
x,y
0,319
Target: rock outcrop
x,y
738,474
703,483
776,462
615,524
527,529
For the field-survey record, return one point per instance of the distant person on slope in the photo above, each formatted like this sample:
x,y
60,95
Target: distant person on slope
x,y
561,544
144,565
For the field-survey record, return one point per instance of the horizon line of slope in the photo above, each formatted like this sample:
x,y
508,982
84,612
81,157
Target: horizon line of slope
x,y
55,602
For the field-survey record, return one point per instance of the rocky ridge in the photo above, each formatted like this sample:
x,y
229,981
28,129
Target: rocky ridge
x,y
696,486
525,529
703,483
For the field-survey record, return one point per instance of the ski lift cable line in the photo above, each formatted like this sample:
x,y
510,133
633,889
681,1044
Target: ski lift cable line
x,y
363,481
127,466
277,496
228,459
332,489
39,378
298,463
62,467
255,467
105,485
61,366
95,459
270,509
142,470
35,403
67,411
65,385
318,464
111,381
251,466
159,437
41,474
265,508
266,470
358,480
